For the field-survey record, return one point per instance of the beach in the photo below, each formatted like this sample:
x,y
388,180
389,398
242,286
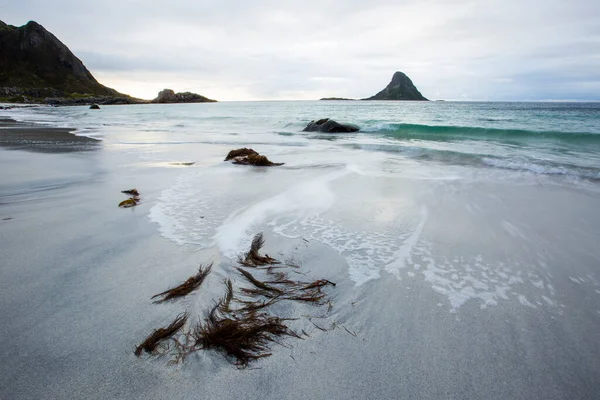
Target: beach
x,y
459,272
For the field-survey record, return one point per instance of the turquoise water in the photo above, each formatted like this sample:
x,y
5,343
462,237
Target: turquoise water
x,y
543,138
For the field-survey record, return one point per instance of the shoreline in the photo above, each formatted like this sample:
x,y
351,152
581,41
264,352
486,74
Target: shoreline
x,y
16,135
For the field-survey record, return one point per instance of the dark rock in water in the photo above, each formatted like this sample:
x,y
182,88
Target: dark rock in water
x,y
94,107
400,88
336,98
243,152
329,126
169,96
245,156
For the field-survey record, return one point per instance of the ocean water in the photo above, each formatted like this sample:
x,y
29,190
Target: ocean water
x,y
485,202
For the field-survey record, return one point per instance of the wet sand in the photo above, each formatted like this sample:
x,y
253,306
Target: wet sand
x,y
19,136
77,275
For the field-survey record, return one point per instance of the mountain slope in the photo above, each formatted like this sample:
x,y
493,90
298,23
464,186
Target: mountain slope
x,y
33,58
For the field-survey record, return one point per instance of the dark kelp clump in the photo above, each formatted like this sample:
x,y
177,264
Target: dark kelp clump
x,y
151,343
191,284
252,258
132,201
131,192
245,156
243,337
242,324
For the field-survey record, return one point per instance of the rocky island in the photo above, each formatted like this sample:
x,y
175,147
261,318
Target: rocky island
x,y
400,88
169,96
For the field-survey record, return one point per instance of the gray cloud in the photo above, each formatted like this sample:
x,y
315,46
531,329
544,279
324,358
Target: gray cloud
x,y
457,49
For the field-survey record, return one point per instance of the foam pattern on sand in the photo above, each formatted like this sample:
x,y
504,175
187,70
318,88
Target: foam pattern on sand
x,y
375,223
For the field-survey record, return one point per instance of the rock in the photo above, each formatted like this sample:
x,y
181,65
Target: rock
x,y
169,96
94,107
239,153
329,126
400,88
245,156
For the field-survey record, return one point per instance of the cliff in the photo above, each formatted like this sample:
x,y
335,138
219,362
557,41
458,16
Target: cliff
x,y
400,88
37,67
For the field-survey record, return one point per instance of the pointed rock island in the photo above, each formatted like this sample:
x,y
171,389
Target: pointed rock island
x,y
400,88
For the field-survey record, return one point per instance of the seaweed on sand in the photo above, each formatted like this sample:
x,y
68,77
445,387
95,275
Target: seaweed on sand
x,y
244,337
253,258
150,344
131,192
191,284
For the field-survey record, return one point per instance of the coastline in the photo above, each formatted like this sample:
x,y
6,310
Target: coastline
x,y
45,139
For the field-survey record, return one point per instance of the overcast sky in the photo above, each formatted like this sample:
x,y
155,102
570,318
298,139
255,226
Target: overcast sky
x,y
268,49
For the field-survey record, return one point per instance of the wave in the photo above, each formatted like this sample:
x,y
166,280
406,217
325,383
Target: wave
x,y
485,160
451,133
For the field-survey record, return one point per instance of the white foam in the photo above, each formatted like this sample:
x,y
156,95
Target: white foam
x,y
403,254
303,201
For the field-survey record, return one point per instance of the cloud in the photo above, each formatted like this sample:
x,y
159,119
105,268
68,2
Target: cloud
x,y
266,49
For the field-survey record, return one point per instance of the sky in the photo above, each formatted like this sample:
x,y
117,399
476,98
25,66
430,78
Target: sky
x,y
300,50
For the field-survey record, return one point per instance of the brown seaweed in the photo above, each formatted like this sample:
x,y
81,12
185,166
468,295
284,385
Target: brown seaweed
x,y
130,202
253,258
150,344
132,192
244,338
191,284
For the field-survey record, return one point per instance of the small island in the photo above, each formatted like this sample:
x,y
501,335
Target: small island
x,y
400,88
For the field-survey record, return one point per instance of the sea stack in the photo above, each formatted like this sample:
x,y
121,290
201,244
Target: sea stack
x,y
400,88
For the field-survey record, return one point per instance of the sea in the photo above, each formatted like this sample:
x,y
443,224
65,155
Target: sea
x,y
485,202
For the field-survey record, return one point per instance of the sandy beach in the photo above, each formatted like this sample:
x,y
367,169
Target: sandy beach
x,y
507,311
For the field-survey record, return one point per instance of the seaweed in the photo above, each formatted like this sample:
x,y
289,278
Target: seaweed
x,y
243,338
241,324
130,202
252,258
150,344
191,284
132,192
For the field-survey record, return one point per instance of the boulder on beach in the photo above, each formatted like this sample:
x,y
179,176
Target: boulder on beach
x,y
245,156
94,107
329,126
243,152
